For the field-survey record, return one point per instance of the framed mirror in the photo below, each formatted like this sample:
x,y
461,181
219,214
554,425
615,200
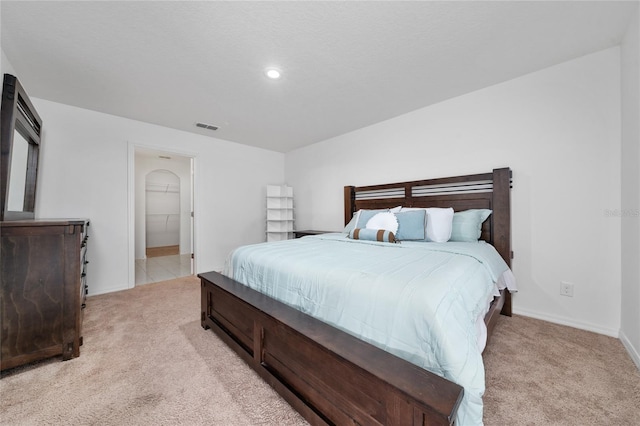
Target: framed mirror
x,y
20,149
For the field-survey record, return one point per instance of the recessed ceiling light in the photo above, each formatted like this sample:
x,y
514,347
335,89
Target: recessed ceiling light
x,y
273,73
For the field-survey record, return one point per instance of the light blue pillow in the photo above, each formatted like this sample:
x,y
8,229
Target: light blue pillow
x,y
467,224
381,235
365,215
411,225
352,224
360,219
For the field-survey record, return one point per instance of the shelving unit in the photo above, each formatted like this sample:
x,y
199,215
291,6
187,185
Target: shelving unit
x,y
279,212
162,205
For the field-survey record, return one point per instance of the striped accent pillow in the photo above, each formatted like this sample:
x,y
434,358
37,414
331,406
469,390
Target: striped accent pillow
x,y
372,235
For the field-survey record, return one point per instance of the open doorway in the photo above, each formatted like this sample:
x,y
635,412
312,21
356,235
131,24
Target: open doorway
x,y
163,216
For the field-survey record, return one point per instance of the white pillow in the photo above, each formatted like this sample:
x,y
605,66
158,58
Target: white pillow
x,y
439,224
386,221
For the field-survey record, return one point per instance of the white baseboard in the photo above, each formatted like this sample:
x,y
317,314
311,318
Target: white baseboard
x,y
633,352
568,322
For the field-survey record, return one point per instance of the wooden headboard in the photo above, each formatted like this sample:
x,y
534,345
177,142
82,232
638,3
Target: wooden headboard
x,y
481,191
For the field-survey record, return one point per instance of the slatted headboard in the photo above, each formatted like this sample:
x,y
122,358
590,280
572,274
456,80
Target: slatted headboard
x,y
480,191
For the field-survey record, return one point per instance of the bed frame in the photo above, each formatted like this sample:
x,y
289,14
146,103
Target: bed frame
x,y
329,376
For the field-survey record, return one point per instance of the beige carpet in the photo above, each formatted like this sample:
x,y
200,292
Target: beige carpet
x,y
538,373
147,361
138,367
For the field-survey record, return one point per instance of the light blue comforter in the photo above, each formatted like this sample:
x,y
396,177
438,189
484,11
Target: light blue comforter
x,y
417,300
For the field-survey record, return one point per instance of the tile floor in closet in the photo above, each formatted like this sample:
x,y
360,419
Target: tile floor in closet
x,y
162,268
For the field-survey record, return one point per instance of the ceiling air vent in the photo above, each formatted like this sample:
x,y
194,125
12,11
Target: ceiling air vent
x,y
207,126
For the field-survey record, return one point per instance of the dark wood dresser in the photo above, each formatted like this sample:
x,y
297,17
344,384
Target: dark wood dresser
x,y
43,280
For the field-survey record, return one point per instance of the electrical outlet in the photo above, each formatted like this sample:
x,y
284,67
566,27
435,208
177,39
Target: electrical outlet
x,y
566,289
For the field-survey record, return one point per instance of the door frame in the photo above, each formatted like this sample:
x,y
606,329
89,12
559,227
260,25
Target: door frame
x,y
131,205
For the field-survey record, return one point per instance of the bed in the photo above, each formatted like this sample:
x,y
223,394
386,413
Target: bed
x,y
322,369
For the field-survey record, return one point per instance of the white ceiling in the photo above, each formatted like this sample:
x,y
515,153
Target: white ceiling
x,y
345,65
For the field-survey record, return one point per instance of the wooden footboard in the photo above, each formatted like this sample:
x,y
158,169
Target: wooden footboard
x,y
327,375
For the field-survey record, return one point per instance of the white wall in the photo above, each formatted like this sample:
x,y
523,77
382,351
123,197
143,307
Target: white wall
x,y
630,320
5,65
559,131
181,167
84,173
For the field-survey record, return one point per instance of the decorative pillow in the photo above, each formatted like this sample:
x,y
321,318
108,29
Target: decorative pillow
x,y
467,224
372,235
386,221
439,221
365,215
361,217
411,225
